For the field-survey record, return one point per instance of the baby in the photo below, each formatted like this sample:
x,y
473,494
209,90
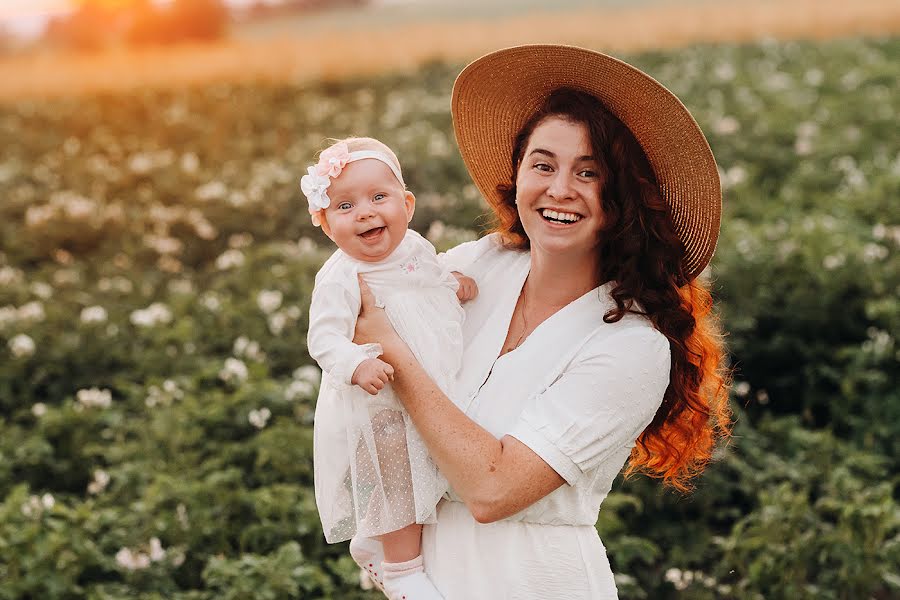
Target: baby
x,y
374,479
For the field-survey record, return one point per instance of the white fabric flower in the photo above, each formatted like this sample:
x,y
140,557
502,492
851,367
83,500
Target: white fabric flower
x,y
314,186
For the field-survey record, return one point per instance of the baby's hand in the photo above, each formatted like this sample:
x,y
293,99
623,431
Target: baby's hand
x,y
372,375
468,289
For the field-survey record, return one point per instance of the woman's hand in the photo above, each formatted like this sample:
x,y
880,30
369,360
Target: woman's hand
x,y
372,324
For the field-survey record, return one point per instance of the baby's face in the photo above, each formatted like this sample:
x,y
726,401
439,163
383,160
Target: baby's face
x,y
369,210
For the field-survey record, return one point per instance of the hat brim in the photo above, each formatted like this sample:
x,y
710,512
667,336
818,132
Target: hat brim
x,y
495,95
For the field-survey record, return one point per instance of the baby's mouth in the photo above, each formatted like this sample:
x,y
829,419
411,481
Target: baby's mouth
x,y
372,233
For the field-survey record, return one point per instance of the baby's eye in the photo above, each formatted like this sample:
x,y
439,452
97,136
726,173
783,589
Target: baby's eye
x,y
379,196
344,206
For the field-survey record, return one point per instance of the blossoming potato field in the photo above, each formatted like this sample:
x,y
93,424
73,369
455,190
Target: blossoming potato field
x,y
156,397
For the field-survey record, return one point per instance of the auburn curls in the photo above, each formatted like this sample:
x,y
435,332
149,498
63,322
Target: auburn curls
x,y
639,250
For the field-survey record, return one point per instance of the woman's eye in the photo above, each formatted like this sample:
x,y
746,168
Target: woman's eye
x,y
587,173
543,167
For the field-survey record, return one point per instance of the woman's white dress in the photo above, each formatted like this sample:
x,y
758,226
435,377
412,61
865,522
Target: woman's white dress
x,y
578,392
373,473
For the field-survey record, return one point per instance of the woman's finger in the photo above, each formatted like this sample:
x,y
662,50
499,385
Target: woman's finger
x,y
367,298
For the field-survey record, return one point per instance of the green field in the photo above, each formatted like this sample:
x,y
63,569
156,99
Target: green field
x,y
156,397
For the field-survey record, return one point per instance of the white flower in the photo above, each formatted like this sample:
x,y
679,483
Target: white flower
x,y
156,550
365,582
140,164
10,275
39,409
182,516
240,240
42,290
873,252
833,261
306,245
211,301
8,314
101,480
726,125
21,346
259,418
269,300
132,560
93,314
741,389
32,507
48,501
213,190
189,162
234,370
153,315
244,346
94,398
308,373
230,258
298,389
277,322
314,186
32,311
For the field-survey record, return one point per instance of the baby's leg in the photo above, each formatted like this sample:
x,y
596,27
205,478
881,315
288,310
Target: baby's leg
x,y
403,569
389,431
402,545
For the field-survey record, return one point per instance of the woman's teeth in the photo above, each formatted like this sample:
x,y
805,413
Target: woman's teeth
x,y
560,216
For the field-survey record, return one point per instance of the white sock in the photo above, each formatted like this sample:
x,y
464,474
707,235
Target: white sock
x,y
408,581
369,555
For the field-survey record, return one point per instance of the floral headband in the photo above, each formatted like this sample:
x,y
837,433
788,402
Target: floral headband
x,y
331,162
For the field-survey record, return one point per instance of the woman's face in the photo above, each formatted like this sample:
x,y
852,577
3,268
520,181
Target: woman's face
x,y
558,189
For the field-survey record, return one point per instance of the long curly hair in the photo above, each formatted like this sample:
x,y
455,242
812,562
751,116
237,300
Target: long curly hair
x,y
640,251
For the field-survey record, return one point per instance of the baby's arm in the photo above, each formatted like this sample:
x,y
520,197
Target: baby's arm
x,y
332,319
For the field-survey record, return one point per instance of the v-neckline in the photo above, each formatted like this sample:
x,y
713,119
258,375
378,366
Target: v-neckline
x,y
514,301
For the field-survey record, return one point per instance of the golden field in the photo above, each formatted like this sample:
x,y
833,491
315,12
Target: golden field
x,y
329,55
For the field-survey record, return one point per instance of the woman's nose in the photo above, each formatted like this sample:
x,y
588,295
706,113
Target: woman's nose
x,y
561,186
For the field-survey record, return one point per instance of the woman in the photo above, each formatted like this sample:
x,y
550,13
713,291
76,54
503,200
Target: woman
x,y
591,341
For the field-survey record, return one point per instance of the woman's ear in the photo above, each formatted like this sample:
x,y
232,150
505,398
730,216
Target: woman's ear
x,y
410,201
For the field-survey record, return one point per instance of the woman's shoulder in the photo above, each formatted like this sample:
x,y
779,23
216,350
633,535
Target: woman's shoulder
x,y
482,253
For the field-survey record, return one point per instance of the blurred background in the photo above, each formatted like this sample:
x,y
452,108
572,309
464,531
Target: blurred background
x,y
156,263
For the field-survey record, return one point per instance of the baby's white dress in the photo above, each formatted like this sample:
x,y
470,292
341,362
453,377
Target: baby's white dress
x,y
578,392
373,473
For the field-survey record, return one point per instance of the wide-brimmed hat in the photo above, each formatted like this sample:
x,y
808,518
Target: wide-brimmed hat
x,y
495,95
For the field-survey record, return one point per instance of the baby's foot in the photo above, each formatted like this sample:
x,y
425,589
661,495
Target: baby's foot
x,y
369,555
408,581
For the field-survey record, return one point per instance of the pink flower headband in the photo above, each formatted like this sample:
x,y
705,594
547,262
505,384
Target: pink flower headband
x,y
331,162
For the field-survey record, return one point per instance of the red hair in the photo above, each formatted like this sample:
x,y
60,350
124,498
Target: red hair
x,y
639,250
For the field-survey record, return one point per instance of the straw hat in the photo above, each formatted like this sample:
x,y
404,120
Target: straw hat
x,y
496,94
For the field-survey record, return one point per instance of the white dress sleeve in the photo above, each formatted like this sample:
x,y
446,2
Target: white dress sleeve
x,y
332,320
600,404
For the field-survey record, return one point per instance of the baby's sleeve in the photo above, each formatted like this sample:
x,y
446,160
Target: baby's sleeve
x,y
601,404
332,321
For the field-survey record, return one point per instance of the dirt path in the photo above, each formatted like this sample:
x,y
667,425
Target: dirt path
x,y
329,55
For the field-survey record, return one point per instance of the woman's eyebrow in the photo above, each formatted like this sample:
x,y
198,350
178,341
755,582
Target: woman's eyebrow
x,y
547,153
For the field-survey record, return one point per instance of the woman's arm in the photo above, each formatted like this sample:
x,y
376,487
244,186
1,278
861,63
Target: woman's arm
x,y
495,478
